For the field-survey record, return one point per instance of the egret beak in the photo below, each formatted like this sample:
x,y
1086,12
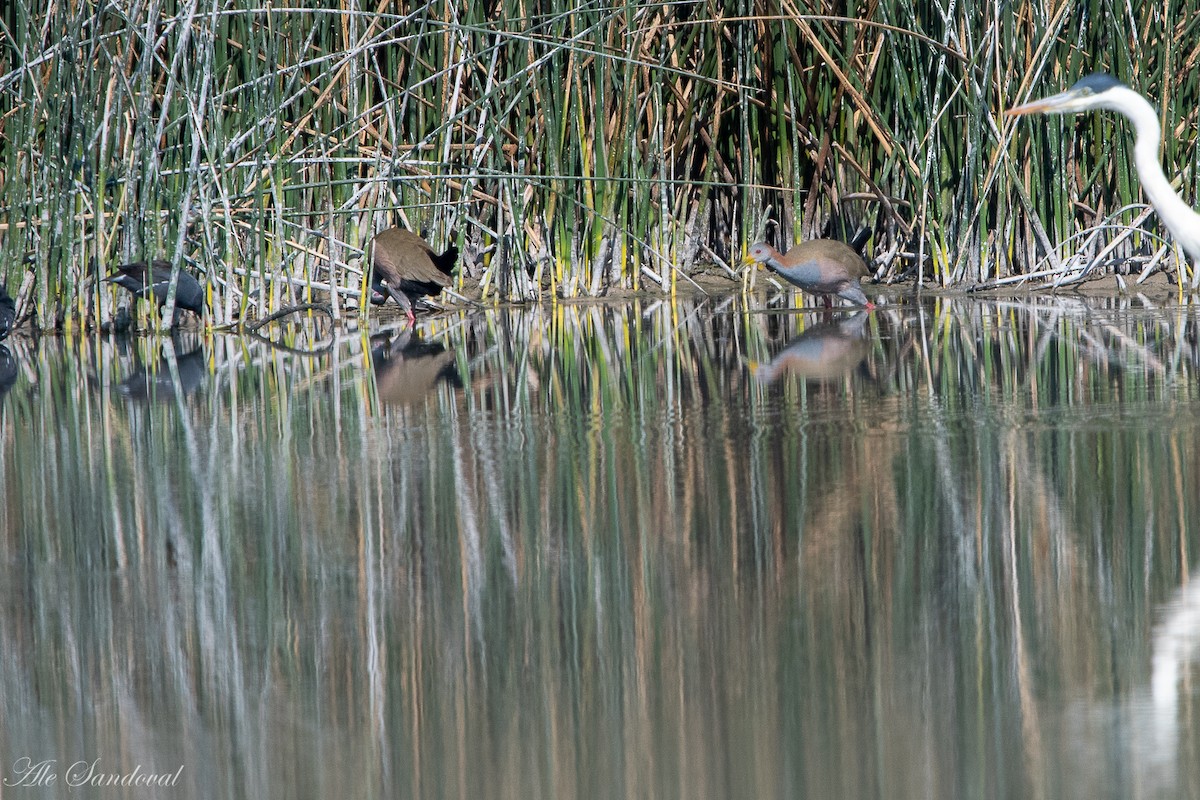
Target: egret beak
x,y
1068,102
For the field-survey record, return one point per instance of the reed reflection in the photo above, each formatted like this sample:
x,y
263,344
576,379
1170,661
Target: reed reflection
x,y
599,554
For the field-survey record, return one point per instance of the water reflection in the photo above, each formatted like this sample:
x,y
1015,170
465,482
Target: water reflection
x,y
407,368
167,379
829,349
583,551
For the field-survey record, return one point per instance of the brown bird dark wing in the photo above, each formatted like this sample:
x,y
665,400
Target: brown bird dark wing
x,y
403,256
838,260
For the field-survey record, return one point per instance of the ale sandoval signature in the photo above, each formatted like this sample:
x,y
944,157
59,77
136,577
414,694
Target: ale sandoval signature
x,y
47,772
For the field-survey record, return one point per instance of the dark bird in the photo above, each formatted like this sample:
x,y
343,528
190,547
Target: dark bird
x,y
8,313
8,371
1106,92
404,266
822,267
154,281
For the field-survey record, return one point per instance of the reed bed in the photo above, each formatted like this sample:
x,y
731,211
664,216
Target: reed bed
x,y
566,148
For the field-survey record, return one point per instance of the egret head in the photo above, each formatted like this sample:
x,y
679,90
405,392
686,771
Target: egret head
x,y
1098,90
1102,91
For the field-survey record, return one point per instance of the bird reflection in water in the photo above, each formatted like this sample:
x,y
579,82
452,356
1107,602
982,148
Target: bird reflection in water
x,y
826,351
169,378
407,368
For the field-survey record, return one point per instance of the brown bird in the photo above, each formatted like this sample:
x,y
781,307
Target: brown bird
x,y
820,266
404,266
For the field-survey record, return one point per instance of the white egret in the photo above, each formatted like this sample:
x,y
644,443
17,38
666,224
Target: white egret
x,y
1106,92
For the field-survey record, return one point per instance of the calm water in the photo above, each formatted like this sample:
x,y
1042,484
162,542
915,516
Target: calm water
x,y
940,551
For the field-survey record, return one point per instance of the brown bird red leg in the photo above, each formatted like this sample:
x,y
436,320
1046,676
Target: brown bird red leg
x,y
408,267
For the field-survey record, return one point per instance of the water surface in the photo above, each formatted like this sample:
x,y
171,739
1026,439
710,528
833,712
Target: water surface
x,y
646,550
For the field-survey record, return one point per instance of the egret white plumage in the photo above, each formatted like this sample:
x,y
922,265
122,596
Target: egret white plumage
x,y
1102,91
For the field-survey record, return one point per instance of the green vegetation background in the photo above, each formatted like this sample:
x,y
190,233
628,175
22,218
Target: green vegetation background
x,y
566,148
